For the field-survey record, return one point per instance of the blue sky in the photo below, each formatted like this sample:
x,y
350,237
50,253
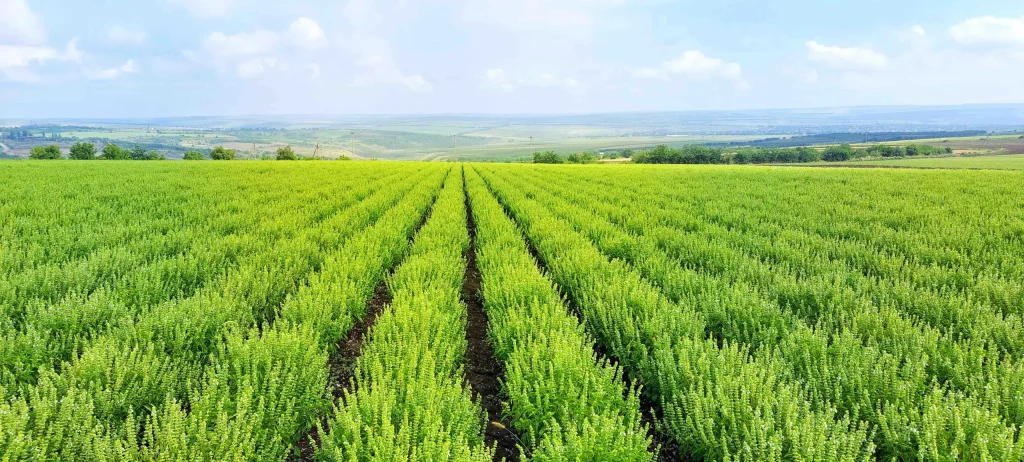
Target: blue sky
x,y
144,58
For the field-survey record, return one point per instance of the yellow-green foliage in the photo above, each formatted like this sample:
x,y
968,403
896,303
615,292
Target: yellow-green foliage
x,y
409,402
567,404
192,311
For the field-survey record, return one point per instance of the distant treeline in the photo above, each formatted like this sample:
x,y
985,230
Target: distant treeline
x,y
39,131
757,155
850,138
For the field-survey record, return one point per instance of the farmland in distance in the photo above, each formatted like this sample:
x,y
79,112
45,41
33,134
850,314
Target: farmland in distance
x,y
462,311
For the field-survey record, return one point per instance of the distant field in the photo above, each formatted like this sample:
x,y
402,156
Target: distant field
x,y
995,144
406,140
1005,162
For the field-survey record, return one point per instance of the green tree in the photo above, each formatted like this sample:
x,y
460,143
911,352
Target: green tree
x,y
547,157
220,153
138,153
582,158
45,152
194,155
286,153
83,151
114,152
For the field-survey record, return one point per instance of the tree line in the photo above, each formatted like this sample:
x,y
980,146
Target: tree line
x,y
846,138
755,155
111,151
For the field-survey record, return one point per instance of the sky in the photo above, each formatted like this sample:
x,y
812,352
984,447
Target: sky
x,y
153,58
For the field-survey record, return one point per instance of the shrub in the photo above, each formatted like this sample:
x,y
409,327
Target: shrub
x,y
837,153
83,151
286,153
138,153
114,152
45,152
220,153
547,157
582,158
193,155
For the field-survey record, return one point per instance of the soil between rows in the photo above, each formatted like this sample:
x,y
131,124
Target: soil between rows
x,y
484,372
651,412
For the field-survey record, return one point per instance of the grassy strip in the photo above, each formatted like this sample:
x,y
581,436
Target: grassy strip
x,y
408,401
567,403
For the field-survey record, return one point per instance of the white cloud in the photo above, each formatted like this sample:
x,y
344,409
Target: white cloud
x,y
918,30
417,83
12,56
16,61
306,33
190,56
698,66
241,44
695,65
373,56
314,71
107,74
495,79
989,29
846,58
562,15
18,23
121,34
362,15
253,68
372,52
208,9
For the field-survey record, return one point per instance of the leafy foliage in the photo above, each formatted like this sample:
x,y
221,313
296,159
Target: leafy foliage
x,y
48,152
220,153
114,152
83,151
286,153
547,157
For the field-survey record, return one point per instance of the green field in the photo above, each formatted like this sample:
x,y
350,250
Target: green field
x,y
1004,162
476,312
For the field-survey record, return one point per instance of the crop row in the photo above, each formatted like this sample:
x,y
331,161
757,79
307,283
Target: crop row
x,y
126,394
408,401
718,400
892,388
984,365
566,402
57,330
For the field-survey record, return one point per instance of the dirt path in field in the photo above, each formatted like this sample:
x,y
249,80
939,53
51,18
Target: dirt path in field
x,y
484,372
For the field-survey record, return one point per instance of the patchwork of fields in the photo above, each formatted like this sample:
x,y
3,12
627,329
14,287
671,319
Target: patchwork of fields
x,y
438,311
1000,162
